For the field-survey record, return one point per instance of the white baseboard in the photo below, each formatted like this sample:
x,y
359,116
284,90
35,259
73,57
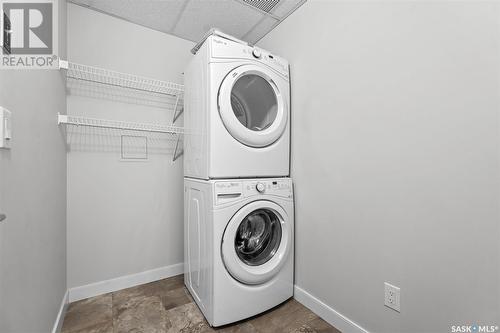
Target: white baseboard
x,y
122,282
60,315
330,315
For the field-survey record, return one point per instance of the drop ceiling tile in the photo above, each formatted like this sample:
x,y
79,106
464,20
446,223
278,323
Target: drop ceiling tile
x,y
285,7
260,30
81,2
229,16
155,14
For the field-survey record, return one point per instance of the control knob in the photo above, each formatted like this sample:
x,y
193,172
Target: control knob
x,y
257,53
260,187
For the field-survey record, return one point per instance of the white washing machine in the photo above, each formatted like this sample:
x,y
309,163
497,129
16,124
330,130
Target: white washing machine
x,y
238,246
237,112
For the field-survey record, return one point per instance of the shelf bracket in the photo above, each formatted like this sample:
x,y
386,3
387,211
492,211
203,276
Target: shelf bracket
x,y
63,64
62,119
177,114
177,151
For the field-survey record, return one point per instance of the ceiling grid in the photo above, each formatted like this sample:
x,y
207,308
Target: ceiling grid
x,y
249,20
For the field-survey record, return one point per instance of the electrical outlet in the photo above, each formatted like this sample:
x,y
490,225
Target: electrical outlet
x,y
392,297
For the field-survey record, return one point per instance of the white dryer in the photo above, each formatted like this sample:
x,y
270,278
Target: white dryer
x,y
237,112
238,246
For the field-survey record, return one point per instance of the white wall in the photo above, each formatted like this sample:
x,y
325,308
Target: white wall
x,y
123,217
33,196
396,158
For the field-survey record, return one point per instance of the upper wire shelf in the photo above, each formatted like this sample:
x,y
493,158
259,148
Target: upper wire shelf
x,y
118,79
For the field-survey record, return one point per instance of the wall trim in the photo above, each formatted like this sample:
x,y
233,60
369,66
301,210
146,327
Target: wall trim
x,y
122,282
333,317
60,315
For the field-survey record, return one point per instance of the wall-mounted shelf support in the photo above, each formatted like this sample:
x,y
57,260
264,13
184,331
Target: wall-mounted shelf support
x,y
177,151
177,113
63,64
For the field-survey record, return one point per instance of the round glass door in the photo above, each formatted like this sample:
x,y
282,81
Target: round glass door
x,y
254,102
258,237
256,242
252,107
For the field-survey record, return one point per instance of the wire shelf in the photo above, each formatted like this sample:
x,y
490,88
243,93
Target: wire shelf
x,y
127,96
97,82
122,80
106,140
119,125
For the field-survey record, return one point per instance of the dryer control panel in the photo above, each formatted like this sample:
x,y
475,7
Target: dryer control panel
x,y
231,190
228,49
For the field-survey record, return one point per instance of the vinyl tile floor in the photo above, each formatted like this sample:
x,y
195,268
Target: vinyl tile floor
x,y
166,306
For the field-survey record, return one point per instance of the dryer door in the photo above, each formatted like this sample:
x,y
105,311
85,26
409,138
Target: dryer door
x,y
257,242
252,107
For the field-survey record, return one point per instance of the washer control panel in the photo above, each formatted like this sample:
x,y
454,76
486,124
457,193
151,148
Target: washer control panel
x,y
278,187
230,190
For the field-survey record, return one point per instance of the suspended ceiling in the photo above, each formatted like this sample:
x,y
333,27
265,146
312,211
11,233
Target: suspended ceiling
x,y
249,20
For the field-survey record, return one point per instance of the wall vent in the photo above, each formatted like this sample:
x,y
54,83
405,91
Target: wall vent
x,y
265,6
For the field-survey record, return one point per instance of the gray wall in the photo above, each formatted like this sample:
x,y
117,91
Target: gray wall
x,y
33,195
396,158
123,217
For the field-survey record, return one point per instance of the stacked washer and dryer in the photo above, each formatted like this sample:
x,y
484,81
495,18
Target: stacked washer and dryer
x,y
238,199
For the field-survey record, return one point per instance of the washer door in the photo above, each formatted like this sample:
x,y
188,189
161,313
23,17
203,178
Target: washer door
x,y
252,107
256,242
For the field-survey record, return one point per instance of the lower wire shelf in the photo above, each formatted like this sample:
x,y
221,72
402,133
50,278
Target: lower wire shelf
x,y
116,124
126,126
